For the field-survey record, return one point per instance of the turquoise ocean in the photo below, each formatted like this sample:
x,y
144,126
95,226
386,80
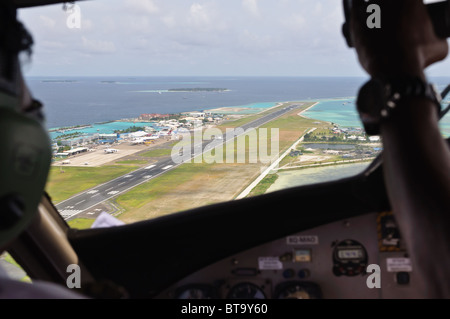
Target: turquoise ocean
x,y
102,101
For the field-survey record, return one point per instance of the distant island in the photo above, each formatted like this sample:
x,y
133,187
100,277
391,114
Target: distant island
x,y
198,90
59,81
70,128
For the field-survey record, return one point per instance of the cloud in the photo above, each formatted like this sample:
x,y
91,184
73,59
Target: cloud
x,y
51,45
169,21
86,24
198,15
142,6
139,24
318,8
283,37
47,22
97,46
252,7
252,42
295,22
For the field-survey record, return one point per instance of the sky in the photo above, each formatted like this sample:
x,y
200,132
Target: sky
x,y
193,38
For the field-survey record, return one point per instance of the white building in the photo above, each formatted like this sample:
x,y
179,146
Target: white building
x,y
138,134
197,114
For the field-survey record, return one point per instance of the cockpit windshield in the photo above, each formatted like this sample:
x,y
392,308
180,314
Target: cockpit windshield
x,y
156,107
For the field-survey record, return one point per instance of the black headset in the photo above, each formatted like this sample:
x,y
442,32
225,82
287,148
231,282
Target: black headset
x,y
25,151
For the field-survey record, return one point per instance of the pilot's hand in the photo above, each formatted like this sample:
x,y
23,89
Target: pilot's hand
x,y
404,45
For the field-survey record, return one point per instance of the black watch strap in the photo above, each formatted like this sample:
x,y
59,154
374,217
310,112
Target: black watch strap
x,y
379,99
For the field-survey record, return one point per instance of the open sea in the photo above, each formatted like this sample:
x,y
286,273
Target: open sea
x,y
102,101
73,101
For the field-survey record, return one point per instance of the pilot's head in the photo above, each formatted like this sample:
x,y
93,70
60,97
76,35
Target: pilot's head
x,y
25,151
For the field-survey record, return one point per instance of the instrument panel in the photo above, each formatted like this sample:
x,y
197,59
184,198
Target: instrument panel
x,y
358,258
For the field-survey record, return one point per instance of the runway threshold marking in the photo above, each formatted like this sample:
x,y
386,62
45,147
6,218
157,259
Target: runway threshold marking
x,y
69,212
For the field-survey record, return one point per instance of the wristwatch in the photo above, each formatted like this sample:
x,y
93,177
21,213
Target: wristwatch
x,y
379,99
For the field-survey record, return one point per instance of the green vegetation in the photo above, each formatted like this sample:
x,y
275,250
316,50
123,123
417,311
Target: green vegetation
x,y
291,123
173,116
63,148
144,193
81,223
247,119
130,130
9,259
319,131
326,135
303,150
239,146
184,187
239,122
68,136
285,161
292,126
159,152
68,128
264,185
132,162
68,181
331,163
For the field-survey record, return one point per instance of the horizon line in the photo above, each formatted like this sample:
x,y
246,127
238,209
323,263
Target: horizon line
x,y
222,76
253,76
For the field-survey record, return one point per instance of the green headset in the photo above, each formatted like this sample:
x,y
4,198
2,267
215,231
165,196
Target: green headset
x,y
25,151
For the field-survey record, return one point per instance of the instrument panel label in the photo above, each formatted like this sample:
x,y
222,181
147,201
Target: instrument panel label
x,y
398,264
302,240
269,263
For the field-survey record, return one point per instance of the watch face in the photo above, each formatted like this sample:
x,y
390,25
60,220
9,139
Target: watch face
x,y
370,102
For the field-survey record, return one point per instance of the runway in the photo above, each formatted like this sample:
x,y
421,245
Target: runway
x,y
88,199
